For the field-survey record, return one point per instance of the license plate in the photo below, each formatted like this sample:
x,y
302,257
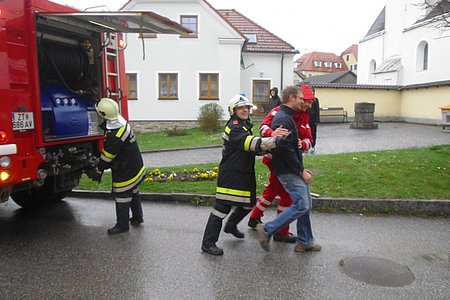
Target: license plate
x,y
22,120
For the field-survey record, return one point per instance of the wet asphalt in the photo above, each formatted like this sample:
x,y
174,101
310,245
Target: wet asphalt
x,y
332,138
63,252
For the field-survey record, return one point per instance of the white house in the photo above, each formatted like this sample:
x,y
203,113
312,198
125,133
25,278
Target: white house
x,y
404,47
216,61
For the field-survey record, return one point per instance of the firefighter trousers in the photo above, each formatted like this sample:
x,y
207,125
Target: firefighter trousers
x,y
214,224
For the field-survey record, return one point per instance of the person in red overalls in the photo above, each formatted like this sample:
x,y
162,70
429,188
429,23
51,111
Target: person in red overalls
x,y
274,187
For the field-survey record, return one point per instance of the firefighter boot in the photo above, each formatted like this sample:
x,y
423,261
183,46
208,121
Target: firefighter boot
x,y
136,210
231,225
122,224
211,235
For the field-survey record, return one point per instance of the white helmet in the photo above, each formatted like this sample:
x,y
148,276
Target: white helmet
x,y
108,109
239,100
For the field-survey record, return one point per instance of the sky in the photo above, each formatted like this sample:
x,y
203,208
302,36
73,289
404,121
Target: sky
x,y
308,25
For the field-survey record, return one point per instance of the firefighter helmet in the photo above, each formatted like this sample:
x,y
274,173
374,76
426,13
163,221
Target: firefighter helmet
x,y
239,100
108,109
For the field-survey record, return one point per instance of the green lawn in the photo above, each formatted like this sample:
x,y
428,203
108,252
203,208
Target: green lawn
x,y
194,137
402,174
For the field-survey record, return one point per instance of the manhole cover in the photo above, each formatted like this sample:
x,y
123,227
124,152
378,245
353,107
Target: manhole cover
x,y
378,271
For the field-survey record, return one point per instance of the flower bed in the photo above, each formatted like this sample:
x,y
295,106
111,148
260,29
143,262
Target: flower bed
x,y
195,174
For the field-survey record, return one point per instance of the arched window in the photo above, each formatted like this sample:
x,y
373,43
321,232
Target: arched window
x,y
422,56
372,66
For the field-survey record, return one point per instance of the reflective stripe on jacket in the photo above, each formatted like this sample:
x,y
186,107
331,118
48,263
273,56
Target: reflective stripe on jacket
x,y
236,182
121,154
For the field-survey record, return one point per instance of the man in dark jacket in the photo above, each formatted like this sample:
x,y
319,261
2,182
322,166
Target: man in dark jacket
x,y
236,182
121,154
314,119
288,167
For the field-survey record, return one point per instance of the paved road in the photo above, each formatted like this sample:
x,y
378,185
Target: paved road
x,y
64,253
332,138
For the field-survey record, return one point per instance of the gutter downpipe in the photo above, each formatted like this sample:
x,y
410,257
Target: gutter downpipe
x,y
282,70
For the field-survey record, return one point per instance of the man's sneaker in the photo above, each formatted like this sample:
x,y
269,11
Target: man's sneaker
x,y
285,238
252,222
264,239
213,249
136,222
234,231
311,150
306,248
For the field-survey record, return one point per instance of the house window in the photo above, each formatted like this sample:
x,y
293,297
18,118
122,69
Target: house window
x,y
317,63
347,57
168,86
132,86
372,66
191,23
422,56
251,38
209,86
327,64
337,65
355,67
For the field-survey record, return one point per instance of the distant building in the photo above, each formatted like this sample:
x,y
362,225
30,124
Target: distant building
x,y
350,57
319,63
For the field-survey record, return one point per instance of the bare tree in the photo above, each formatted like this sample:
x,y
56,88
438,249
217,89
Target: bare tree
x,y
436,13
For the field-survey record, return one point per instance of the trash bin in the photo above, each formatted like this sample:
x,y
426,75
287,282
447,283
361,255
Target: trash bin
x,y
445,116
364,119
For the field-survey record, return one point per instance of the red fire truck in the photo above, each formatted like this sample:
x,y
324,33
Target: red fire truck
x,y
55,63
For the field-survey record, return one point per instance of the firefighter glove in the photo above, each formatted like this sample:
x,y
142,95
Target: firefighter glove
x,y
97,176
283,141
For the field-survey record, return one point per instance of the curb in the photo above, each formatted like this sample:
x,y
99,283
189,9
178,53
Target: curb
x,y
439,208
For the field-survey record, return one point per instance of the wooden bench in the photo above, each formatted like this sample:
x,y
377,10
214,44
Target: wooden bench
x,y
334,112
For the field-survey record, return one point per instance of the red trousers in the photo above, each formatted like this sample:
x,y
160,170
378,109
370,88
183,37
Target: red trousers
x,y
273,189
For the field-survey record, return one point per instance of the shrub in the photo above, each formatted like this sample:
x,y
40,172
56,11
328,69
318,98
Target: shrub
x,y
209,117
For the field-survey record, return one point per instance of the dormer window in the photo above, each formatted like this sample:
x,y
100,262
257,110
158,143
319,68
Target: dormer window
x,y
337,65
251,38
328,64
317,63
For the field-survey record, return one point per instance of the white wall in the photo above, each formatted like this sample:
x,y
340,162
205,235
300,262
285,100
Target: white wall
x,y
267,66
402,38
185,56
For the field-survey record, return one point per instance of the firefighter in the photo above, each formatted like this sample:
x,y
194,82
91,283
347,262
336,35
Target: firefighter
x,y
236,182
121,154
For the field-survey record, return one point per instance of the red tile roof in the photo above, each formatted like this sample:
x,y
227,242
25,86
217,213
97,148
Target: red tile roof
x,y
306,62
265,40
353,49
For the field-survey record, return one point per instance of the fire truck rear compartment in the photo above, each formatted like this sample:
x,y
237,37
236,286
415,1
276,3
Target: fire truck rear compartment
x,y
70,79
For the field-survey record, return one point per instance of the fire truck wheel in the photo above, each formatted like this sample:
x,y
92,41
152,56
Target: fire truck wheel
x,y
38,197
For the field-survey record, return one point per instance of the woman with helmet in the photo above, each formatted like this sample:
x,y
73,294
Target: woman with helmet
x,y
236,182
121,154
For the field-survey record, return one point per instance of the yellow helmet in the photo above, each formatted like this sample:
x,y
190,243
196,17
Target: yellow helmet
x,y
108,109
239,100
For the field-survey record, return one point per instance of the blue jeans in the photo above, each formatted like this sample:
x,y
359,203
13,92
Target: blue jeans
x,y
300,209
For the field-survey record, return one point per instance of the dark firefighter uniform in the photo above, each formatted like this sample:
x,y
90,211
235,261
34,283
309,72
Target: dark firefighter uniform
x,y
121,154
